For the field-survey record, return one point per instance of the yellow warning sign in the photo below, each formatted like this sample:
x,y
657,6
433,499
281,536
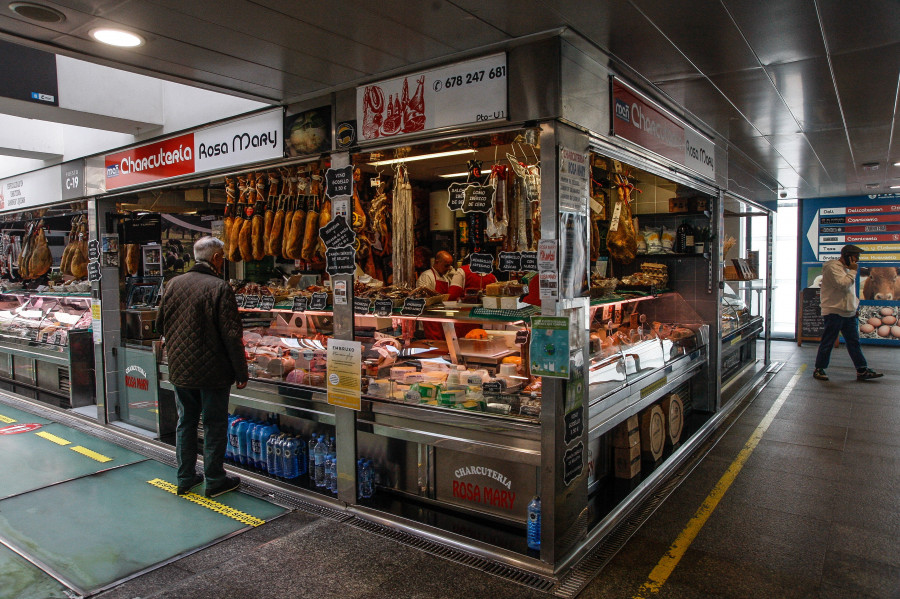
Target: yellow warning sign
x,y
91,454
53,438
209,503
6,419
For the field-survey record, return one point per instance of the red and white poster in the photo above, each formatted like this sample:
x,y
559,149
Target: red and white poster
x,y
242,141
467,92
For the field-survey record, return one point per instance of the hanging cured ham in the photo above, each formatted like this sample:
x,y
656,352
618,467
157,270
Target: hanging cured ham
x,y
622,239
234,233
259,209
276,236
132,258
245,234
230,209
269,219
310,231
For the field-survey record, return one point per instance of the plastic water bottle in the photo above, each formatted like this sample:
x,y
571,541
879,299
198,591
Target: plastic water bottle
x,y
370,479
319,475
273,459
311,455
360,477
267,431
289,455
231,418
302,461
254,449
232,447
242,445
534,524
332,477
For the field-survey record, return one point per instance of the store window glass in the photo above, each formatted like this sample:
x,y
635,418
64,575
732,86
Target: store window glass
x,y
784,264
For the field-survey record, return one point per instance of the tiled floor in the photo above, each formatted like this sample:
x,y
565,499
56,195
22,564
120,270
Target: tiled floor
x,y
814,512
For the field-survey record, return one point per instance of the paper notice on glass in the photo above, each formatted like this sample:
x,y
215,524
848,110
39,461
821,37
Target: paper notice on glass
x,y
96,322
344,365
549,349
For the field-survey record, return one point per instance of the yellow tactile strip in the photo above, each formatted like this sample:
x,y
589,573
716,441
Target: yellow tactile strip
x,y
53,438
91,454
6,419
209,503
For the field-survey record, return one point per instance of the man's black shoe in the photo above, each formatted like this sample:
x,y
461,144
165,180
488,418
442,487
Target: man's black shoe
x,y
867,374
184,489
229,484
819,373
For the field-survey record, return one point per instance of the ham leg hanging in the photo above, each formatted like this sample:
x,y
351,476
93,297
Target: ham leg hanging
x,y
622,239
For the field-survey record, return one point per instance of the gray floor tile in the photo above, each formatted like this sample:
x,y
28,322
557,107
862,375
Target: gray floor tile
x,y
857,576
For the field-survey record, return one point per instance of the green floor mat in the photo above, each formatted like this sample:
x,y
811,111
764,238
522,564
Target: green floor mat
x,y
10,415
96,530
21,580
51,454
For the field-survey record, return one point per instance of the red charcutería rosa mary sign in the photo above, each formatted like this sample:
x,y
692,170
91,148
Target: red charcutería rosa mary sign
x,y
167,158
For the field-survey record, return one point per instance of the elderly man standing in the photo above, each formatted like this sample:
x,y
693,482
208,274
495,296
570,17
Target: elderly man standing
x,y
199,320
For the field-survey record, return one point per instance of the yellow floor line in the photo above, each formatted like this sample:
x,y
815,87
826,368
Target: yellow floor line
x,y
53,438
6,419
91,454
667,564
209,503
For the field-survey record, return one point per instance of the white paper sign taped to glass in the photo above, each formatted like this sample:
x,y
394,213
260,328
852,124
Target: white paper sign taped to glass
x,y
467,92
573,180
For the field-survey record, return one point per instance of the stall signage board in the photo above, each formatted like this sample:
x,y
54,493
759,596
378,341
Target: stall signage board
x,y
467,92
481,263
300,303
510,261
72,179
93,250
339,182
529,261
94,273
29,190
384,307
340,261
478,198
549,349
412,307
344,363
642,121
337,234
267,302
242,141
573,463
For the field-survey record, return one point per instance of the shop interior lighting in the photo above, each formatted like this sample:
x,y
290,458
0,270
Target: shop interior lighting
x,y
117,37
897,164
895,186
37,12
422,157
454,175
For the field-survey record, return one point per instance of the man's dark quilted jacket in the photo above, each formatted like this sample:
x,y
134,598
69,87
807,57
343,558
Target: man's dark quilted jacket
x,y
200,321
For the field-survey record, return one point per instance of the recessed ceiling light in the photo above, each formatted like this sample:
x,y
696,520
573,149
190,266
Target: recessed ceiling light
x,y
37,12
117,37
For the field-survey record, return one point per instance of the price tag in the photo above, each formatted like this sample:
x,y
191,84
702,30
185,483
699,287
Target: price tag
x,y
413,307
300,303
492,387
361,305
384,307
510,261
457,196
339,182
529,261
93,249
251,302
340,261
481,263
521,336
478,198
239,298
94,271
337,234
319,301
267,302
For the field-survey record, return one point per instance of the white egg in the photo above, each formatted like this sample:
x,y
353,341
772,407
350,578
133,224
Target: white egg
x,y
875,322
884,331
895,331
867,328
889,320
887,311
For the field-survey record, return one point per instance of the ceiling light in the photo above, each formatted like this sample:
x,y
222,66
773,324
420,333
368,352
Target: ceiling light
x,y
117,37
870,166
895,186
37,12
897,164
454,175
422,157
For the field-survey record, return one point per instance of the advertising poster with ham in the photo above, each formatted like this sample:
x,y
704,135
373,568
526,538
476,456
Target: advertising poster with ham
x,y
467,92
873,224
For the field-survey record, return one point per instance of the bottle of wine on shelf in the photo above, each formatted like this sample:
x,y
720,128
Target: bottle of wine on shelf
x,y
684,238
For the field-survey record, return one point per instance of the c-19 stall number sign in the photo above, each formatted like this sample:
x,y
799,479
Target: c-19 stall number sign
x,y
467,92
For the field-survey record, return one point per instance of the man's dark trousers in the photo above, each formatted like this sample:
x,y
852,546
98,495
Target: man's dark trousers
x,y
213,405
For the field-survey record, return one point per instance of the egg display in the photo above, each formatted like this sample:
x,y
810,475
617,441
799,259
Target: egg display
x,y
891,320
895,331
879,322
867,328
875,322
884,331
887,311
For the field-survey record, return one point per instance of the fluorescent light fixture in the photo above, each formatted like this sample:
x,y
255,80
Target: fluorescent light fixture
x,y
895,186
897,164
454,175
117,37
422,157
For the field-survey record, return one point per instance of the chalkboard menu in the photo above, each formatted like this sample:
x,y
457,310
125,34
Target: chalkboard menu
x,y
811,322
319,301
300,303
529,261
478,198
267,302
510,261
481,263
384,307
361,305
457,196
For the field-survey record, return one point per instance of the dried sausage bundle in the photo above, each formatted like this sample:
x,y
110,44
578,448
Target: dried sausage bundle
x,y
259,208
245,235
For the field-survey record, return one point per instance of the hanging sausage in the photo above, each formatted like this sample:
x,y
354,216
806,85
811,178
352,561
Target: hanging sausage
x,y
402,226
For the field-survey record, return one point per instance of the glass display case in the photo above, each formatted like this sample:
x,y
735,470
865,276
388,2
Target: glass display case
x,y
43,319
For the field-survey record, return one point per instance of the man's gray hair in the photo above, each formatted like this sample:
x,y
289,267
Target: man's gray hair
x,y
206,247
